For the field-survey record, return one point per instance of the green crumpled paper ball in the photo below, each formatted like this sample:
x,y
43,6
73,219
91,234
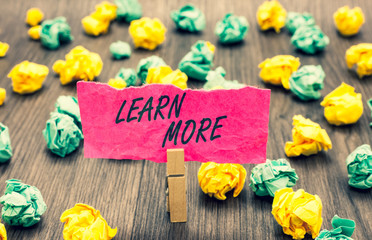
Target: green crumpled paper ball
x,y
145,64
359,167
267,178
55,32
231,29
69,105
128,75
197,63
309,39
342,230
369,103
23,204
5,146
62,134
216,79
189,18
295,20
128,10
120,50
307,81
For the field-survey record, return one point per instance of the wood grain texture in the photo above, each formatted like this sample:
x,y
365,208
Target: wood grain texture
x,y
131,194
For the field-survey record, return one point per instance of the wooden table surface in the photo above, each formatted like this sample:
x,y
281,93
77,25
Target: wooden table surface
x,y
131,194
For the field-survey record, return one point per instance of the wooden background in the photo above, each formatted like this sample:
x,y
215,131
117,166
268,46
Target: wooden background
x,y
130,194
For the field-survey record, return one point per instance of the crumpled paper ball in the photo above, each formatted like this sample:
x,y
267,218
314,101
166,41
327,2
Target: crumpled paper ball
x,y
3,49
165,75
199,61
343,105
98,22
360,54
189,18
61,134
369,103
216,80
2,95
145,64
69,105
348,21
128,75
278,70
295,20
83,222
359,167
34,16
342,230
309,39
147,33
271,14
231,29
307,82
217,179
120,49
128,10
267,178
80,64
34,32
23,204
28,77
308,138
117,83
2,232
55,32
5,146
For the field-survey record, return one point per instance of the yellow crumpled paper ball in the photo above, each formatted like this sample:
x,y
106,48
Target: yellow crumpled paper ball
x,y
271,14
360,54
117,83
278,70
2,232
28,77
105,11
308,138
2,97
99,21
297,212
217,179
348,21
343,105
34,16
83,222
34,32
147,33
3,49
165,75
80,64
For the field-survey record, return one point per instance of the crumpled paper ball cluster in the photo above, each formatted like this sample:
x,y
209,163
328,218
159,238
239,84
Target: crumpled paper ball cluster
x,y
28,77
361,55
145,64
348,21
216,80
217,179
165,75
128,10
278,70
120,49
271,14
5,146
295,20
85,223
3,49
98,22
63,130
2,232
147,33
342,230
23,204
2,95
199,61
80,64
54,32
359,167
308,138
343,105
297,212
34,16
309,39
267,178
189,18
307,82
231,29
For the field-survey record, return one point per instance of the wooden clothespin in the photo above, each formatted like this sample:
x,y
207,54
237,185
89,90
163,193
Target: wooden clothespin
x,y
176,185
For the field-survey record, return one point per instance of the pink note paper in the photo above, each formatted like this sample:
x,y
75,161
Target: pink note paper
x,y
222,126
